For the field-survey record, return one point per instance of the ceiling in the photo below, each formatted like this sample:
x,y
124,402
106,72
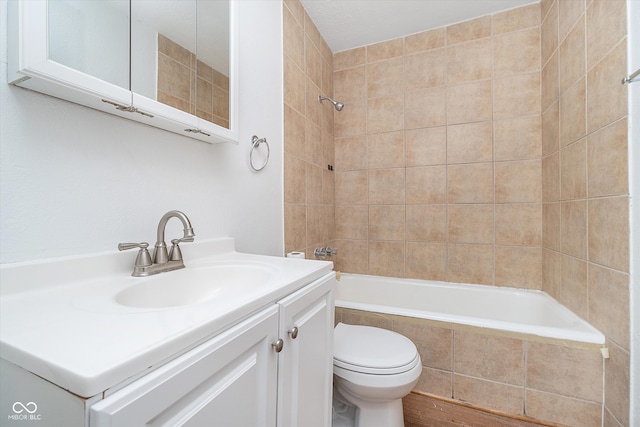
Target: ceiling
x,y
347,24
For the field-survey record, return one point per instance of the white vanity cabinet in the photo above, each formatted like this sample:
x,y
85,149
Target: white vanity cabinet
x,y
228,381
305,389
241,378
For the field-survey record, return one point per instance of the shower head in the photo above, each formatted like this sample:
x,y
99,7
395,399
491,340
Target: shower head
x,y
338,105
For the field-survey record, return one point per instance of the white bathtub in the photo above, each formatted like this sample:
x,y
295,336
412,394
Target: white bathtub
x,y
504,309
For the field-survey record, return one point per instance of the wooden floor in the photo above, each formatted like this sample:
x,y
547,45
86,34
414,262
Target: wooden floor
x,y
423,410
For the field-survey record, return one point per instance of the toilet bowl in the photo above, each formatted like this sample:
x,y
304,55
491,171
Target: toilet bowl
x,y
373,369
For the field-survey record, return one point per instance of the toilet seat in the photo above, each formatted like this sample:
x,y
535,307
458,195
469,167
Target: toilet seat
x,y
370,350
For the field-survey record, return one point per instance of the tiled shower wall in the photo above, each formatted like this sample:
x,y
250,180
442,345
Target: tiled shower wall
x,y
308,134
438,154
585,190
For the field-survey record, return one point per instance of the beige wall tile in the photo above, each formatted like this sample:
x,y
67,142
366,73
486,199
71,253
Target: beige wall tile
x,y
385,77
469,61
607,98
470,264
609,232
385,50
551,129
519,224
367,318
468,30
571,58
488,394
566,371
518,181
312,143
416,76
435,381
606,26
294,180
516,95
293,38
573,170
351,121
351,153
470,223
617,374
574,293
550,83
573,219
387,222
519,138
386,259
313,62
385,114
502,359
352,222
551,226
516,19
385,150
469,143
471,183
424,108
427,223
434,344
350,58
564,410
609,303
426,146
518,266
295,221
426,40
352,188
569,13
469,102
353,256
607,156
573,113
551,272
426,184
349,84
294,132
426,261
517,52
387,186
549,33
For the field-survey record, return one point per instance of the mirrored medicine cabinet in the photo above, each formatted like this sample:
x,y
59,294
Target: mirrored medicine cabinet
x,y
172,64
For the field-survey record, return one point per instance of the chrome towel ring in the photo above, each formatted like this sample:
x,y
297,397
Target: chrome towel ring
x,y
255,143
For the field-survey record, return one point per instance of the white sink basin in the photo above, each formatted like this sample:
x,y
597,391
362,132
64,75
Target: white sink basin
x,y
194,285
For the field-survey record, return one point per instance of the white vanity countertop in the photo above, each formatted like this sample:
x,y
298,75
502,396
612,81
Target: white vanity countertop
x,y
59,318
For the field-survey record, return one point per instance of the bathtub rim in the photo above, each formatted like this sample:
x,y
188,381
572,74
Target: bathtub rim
x,y
590,339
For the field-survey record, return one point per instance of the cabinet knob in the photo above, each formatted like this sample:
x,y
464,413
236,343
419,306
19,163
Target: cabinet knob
x,y
293,332
277,346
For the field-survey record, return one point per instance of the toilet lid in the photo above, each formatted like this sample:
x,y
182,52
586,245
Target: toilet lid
x,y
372,350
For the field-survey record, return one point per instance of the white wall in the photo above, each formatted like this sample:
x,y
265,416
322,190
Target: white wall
x,y
74,180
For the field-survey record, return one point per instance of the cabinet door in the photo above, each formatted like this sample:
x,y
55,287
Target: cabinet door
x,y
228,381
305,365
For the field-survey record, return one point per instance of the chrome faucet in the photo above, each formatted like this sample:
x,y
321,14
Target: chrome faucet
x,y
325,252
162,260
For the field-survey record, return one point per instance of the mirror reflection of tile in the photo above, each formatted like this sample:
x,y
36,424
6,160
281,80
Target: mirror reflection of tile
x,y
206,97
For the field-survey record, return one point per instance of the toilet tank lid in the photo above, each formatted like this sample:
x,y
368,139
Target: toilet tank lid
x,y
371,347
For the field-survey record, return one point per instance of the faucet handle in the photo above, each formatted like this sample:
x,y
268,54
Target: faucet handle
x,y
144,257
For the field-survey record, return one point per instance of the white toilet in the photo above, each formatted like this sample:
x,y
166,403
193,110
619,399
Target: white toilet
x,y
373,369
